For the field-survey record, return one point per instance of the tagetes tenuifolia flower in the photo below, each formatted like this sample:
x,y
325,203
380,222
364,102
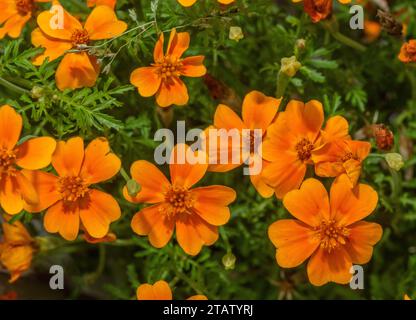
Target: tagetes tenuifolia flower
x,y
33,154
327,229
160,290
341,156
408,52
16,249
110,3
69,197
14,14
162,78
291,141
258,112
77,69
196,213
319,9
188,3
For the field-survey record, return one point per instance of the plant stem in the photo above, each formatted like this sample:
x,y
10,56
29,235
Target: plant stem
x,y
13,87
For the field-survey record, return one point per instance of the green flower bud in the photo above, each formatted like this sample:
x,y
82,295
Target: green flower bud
x,y
394,160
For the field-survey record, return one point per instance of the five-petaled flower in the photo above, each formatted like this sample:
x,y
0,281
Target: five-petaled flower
x,y
69,198
16,248
77,69
14,14
160,290
33,154
327,229
196,213
162,78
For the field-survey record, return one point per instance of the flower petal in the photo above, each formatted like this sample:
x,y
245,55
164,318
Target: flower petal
x,y
35,153
10,197
193,67
172,91
187,235
259,110
146,80
363,236
14,25
68,157
102,23
10,127
159,291
226,118
26,189
178,43
62,219
53,48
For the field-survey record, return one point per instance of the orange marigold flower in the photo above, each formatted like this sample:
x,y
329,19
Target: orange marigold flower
x,y
160,290
341,156
188,3
291,141
408,52
14,14
33,154
319,9
110,3
162,78
372,30
196,213
327,229
69,198
16,249
77,69
258,112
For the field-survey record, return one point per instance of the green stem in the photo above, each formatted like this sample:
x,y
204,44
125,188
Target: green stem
x,y
125,175
13,87
282,83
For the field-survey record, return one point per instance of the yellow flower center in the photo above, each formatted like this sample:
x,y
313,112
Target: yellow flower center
x,y
7,161
304,149
180,201
72,188
331,235
348,156
80,36
169,68
24,7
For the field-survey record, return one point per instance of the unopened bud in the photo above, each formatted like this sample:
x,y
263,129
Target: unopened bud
x,y
37,92
301,44
133,188
290,66
236,34
394,160
229,261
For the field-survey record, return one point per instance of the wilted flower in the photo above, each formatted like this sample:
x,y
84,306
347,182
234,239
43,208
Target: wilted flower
x,y
394,160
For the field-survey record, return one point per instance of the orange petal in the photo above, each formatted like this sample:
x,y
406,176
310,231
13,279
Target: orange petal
x,y
159,291
309,204
26,189
146,80
152,181
17,259
100,164
68,157
336,128
187,236
363,236
158,55
46,186
36,153
225,118
351,205
294,241
353,170
49,23
16,233
334,266
98,213
102,23
172,91
110,3
211,203
76,70
178,43
187,3
10,197
182,172
193,67
198,297
207,233
10,127
359,148
62,219
261,187
14,25
53,47
259,110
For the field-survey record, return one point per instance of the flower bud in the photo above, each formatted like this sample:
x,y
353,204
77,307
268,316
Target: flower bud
x,y
133,187
37,92
301,44
236,33
229,261
290,66
394,160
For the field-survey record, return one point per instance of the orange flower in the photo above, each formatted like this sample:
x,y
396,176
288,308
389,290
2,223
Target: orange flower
x,y
14,14
77,69
408,52
319,9
163,77
109,237
196,213
328,230
110,3
33,154
16,249
292,140
258,112
188,3
341,156
160,290
69,196
372,30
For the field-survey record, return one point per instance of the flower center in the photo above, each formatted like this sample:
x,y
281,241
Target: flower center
x,y
304,149
348,156
72,188
80,36
169,68
331,236
7,161
24,7
180,201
